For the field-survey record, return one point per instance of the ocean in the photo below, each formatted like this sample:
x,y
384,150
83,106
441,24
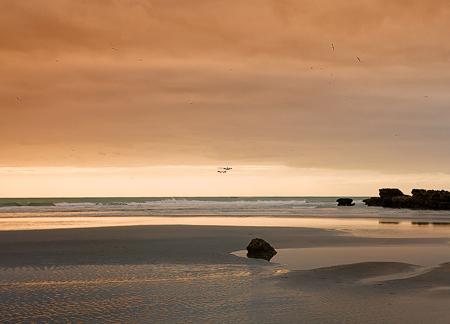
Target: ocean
x,y
174,206
202,206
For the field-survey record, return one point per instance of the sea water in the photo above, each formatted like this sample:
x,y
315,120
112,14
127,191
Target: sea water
x,y
320,212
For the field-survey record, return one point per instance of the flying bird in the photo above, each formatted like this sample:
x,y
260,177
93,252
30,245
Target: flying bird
x,y
332,46
18,98
359,60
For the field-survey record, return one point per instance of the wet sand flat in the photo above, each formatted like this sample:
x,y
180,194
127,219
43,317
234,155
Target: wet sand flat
x,y
174,274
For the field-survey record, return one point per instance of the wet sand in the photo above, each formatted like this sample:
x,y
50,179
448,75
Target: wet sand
x,y
180,274
360,226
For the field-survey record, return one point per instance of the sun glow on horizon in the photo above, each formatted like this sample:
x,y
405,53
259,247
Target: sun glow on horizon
x,y
243,180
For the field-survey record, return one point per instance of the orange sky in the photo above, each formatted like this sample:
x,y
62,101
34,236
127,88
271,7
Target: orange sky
x,y
144,84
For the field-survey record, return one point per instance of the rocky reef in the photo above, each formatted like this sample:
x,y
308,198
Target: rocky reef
x,y
345,202
260,249
419,199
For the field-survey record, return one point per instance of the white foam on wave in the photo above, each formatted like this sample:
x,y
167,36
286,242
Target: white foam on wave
x,y
78,204
177,206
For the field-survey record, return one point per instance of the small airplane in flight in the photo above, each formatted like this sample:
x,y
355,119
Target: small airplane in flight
x,y
224,169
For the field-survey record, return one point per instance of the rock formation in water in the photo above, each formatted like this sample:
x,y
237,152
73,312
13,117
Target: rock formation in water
x,y
260,249
420,199
345,202
389,197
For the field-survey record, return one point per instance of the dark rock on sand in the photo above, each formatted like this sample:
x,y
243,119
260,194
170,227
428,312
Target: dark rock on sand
x,y
260,249
420,223
420,199
345,202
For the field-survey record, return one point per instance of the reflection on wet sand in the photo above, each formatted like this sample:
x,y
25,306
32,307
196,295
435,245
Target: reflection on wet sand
x,y
353,226
431,223
420,223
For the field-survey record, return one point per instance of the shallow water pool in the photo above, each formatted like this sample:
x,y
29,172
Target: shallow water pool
x,y
319,257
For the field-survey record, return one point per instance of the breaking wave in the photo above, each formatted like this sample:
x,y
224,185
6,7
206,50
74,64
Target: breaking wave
x,y
171,206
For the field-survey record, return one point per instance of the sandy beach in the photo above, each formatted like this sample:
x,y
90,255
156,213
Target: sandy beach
x,y
184,274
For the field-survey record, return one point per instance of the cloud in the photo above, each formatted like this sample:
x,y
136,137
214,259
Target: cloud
x,y
297,29
122,83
